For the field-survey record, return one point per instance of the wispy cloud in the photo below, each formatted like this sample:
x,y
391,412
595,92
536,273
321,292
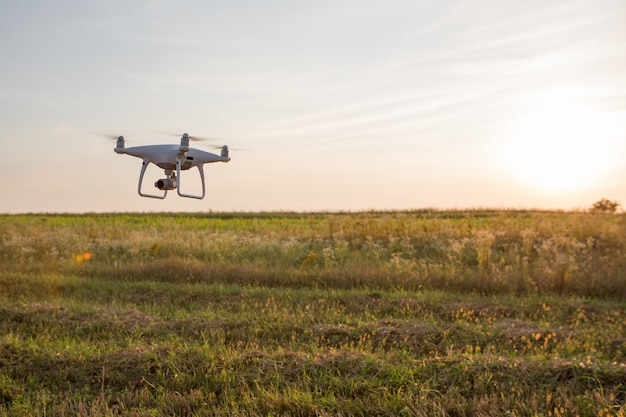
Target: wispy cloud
x,y
372,89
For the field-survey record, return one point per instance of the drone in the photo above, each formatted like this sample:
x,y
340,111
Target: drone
x,y
173,159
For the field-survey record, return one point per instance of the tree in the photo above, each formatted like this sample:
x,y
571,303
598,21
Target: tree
x,y
605,206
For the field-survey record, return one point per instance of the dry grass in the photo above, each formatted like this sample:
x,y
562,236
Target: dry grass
x,y
419,313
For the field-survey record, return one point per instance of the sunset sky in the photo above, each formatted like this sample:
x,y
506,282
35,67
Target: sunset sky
x,y
330,105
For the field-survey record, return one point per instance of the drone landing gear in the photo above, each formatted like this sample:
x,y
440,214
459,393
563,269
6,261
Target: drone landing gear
x,y
170,182
201,170
165,184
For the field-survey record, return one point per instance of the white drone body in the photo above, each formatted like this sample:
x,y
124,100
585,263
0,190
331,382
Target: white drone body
x,y
173,159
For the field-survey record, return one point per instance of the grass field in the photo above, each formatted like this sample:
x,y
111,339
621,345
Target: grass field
x,y
422,313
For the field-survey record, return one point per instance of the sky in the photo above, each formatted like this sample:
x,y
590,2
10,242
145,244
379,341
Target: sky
x,y
326,105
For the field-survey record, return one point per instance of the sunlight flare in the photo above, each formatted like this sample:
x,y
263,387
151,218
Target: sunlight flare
x,y
561,146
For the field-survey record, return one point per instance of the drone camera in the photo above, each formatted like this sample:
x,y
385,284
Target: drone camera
x,y
224,151
166,184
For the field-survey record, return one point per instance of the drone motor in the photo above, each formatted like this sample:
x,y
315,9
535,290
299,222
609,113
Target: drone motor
x,y
184,143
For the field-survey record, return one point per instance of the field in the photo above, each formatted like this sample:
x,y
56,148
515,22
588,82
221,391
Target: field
x,y
421,313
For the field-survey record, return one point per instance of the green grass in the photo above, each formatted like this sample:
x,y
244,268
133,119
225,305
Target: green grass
x,y
395,313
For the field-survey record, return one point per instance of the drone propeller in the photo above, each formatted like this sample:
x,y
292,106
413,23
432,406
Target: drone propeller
x,y
218,147
207,139
109,136
195,138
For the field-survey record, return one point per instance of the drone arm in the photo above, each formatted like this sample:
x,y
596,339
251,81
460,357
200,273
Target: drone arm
x,y
200,169
143,171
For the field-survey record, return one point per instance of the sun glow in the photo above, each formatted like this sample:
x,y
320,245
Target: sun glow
x,y
561,147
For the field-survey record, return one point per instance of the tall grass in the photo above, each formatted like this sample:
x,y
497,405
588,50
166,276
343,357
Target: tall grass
x,y
520,252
